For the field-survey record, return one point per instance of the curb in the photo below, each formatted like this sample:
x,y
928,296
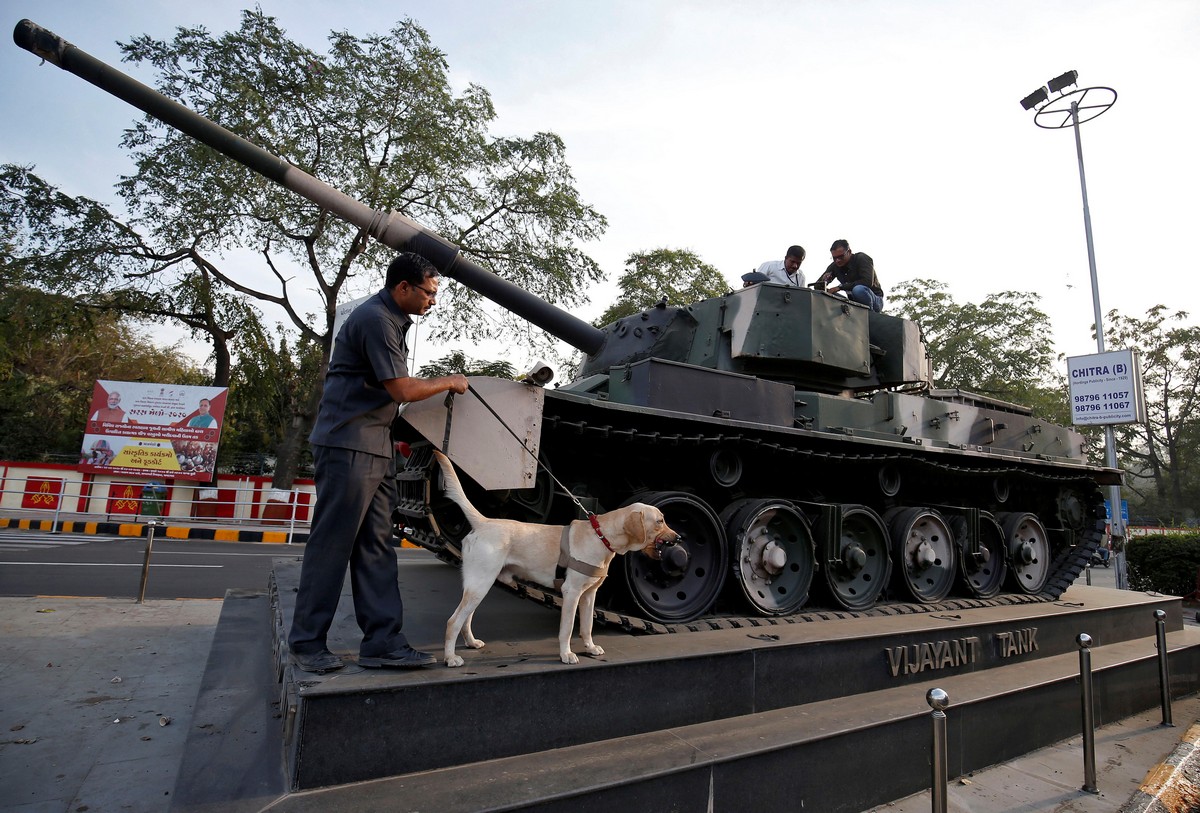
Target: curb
x,y
141,529
1171,786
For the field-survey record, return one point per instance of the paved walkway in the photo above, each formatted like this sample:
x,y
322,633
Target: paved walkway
x,y
97,700
1141,767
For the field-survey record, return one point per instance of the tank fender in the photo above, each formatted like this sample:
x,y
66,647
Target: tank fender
x,y
478,444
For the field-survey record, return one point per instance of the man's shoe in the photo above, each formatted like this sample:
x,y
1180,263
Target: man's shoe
x,y
319,662
404,657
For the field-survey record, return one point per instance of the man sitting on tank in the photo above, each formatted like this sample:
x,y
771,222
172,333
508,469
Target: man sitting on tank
x,y
855,274
782,272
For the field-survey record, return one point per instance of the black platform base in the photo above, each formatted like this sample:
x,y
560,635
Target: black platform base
x,y
828,716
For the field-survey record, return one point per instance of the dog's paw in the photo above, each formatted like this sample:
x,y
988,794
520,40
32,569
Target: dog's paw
x,y
569,657
475,643
594,650
454,660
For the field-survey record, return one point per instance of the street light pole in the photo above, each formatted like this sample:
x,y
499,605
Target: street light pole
x,y
1110,443
1057,114
1087,228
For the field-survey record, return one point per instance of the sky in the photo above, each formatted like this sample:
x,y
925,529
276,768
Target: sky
x,y
738,129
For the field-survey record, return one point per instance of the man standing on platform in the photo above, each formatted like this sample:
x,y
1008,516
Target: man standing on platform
x,y
355,476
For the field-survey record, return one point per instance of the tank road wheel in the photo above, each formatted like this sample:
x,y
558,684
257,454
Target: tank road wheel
x,y
923,549
1028,551
982,572
1072,511
446,520
534,502
682,585
860,571
773,549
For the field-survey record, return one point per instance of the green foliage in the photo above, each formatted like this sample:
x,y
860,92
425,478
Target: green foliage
x,y
1165,564
1001,347
374,116
459,362
62,244
270,383
76,247
1162,454
51,353
677,274
1053,402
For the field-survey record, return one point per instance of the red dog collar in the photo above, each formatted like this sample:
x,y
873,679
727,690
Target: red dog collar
x,y
596,527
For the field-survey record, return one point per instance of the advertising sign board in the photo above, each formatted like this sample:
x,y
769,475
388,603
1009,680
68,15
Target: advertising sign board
x,y
153,430
1106,388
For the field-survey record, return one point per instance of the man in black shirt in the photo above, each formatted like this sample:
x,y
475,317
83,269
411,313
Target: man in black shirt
x,y
855,274
356,476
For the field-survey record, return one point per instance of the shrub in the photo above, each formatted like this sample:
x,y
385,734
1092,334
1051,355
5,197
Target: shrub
x,y
1165,564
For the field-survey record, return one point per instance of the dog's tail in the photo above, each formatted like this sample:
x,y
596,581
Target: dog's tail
x,y
454,490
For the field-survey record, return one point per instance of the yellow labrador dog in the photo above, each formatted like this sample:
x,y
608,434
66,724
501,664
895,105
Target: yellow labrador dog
x,y
505,549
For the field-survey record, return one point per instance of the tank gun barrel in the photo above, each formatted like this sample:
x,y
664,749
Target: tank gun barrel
x,y
392,229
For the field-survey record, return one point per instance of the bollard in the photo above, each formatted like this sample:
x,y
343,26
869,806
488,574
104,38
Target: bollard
x,y
292,514
938,700
1164,678
54,526
1089,723
153,525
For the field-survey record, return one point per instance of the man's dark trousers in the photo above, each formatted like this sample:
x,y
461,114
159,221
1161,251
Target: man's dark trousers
x,y
352,524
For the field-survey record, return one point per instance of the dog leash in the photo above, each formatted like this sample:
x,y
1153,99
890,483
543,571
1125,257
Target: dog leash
x,y
595,522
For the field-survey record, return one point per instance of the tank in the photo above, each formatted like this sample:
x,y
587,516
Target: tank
x,y
794,439
791,436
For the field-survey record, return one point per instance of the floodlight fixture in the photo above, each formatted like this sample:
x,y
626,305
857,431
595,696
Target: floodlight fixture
x,y
1034,99
1065,81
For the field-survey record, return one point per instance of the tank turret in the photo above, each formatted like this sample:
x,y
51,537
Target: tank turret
x,y
790,435
790,334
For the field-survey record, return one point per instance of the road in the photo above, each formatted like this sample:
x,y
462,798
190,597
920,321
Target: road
x,y
1101,576
35,563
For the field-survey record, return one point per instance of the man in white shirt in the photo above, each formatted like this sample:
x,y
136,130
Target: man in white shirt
x,y
786,271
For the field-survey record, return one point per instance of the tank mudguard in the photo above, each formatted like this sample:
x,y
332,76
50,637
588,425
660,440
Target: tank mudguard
x,y
469,434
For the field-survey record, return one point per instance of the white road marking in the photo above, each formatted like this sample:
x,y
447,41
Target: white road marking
x,y
102,564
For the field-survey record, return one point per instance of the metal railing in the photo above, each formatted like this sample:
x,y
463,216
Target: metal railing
x,y
64,499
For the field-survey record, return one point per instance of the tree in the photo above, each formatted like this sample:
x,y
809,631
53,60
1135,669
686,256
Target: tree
x,y
374,116
1163,451
271,379
51,353
76,247
1001,347
677,274
460,362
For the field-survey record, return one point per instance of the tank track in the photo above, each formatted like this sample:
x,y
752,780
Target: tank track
x,y
1066,568
608,432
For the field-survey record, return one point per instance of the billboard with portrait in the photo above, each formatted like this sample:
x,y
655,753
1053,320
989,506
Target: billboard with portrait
x,y
153,430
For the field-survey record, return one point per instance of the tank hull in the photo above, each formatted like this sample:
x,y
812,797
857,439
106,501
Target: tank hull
x,y
854,518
